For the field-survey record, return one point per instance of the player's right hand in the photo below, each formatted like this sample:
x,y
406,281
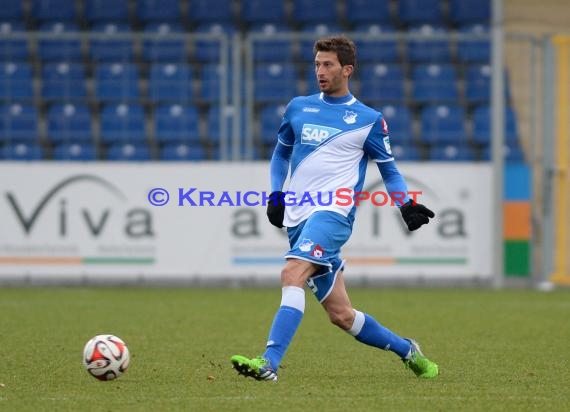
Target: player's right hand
x,y
276,208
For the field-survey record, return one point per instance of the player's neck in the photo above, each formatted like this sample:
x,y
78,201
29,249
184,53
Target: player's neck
x,y
337,99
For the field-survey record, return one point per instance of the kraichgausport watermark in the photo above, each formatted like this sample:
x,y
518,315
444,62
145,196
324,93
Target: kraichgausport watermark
x,y
340,197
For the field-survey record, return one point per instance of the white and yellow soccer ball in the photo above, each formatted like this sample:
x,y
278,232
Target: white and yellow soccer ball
x,y
106,357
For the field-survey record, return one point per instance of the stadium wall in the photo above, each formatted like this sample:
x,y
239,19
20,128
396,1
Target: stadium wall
x,y
95,223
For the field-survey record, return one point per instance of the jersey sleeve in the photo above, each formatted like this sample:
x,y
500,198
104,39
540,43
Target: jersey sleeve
x,y
377,144
285,134
279,166
394,181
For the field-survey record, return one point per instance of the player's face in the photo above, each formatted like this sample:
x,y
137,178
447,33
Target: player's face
x,y
331,76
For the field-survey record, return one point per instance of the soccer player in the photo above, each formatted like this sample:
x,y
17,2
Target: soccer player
x,y
326,140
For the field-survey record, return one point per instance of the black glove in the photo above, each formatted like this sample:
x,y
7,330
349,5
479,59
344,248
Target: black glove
x,y
415,215
276,208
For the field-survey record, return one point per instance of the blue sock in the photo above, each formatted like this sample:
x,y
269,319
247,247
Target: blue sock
x,y
367,330
285,324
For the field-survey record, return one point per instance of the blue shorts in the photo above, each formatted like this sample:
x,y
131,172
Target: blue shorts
x,y
319,240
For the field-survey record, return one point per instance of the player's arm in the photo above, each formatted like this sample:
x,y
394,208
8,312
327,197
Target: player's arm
x,y
279,166
394,182
377,145
278,170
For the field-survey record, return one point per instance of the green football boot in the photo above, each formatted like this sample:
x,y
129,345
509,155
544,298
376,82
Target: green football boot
x,y
257,368
419,364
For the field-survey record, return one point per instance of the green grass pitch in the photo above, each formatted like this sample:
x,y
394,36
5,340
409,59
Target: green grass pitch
x,y
497,351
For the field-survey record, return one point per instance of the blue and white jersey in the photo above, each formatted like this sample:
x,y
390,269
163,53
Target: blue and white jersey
x,y
332,140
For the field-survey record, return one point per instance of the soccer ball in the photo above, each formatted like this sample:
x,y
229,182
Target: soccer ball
x,y
106,357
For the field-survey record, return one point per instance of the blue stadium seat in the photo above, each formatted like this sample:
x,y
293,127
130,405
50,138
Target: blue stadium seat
x,y
208,50
315,11
470,11
16,82
59,49
319,30
269,120
443,124
242,154
128,152
434,83
275,82
176,123
212,76
381,83
161,10
400,120
482,125
213,130
63,81
182,152
405,152
76,152
53,10
106,10
452,153
478,84
270,49
424,49
21,152
171,82
474,51
160,50
12,10
263,11
377,49
116,81
257,153
69,123
217,11
213,121
312,86
111,48
512,154
12,50
18,122
420,11
122,123
358,12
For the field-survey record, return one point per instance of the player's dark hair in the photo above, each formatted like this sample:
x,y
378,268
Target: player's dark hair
x,y
343,47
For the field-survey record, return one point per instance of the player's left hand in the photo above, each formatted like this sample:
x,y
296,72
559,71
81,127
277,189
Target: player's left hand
x,y
415,215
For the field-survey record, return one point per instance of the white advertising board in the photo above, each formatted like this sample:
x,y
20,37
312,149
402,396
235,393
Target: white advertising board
x,y
96,221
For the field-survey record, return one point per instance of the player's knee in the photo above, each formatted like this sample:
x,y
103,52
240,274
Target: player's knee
x,y
291,277
343,318
296,272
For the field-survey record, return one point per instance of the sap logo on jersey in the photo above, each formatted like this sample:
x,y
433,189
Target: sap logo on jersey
x,y
316,134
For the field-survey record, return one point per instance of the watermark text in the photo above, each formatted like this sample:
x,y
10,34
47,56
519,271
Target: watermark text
x,y
340,197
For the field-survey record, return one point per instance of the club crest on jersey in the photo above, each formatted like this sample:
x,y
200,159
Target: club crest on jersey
x,y
306,245
315,134
349,117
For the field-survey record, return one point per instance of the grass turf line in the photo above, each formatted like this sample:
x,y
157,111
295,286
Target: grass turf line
x,y
497,350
